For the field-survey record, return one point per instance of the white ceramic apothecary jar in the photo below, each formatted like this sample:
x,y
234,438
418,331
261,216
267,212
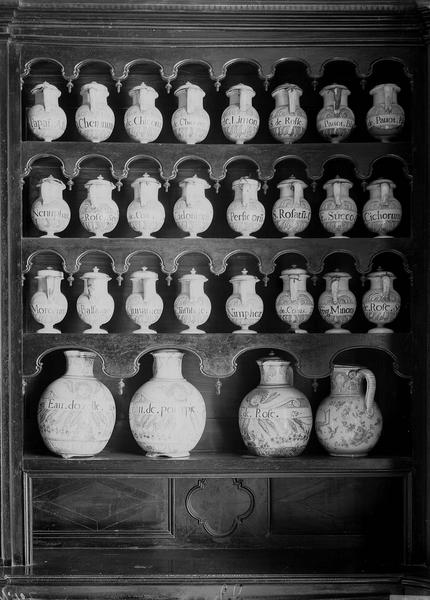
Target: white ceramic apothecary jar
x,y
240,120
48,305
291,213
193,212
294,305
244,307
144,306
99,213
338,212
337,304
190,121
50,212
167,413
349,422
145,213
46,119
95,119
381,303
275,419
142,120
382,213
95,305
386,118
287,121
335,121
192,307
246,213
76,413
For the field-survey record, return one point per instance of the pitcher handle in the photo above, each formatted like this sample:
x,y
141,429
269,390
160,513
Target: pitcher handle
x,y
336,193
370,389
292,101
91,98
385,192
294,288
386,286
242,100
334,286
337,98
297,195
388,98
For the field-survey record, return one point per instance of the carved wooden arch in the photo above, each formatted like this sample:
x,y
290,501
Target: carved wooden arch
x,y
29,64
137,157
129,66
289,59
251,61
404,165
396,366
116,173
185,158
36,157
186,61
396,59
289,157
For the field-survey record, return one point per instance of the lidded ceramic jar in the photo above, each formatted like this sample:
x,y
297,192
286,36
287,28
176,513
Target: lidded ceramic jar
x,y
143,121
145,213
192,307
95,305
190,121
50,212
348,422
275,419
76,413
167,413
144,306
382,213
386,118
99,213
381,303
46,119
245,215
244,307
95,119
287,121
335,120
294,305
291,213
48,305
240,120
193,212
337,304
338,212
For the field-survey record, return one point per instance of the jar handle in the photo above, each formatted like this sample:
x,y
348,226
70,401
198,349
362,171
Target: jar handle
x,y
337,188
334,286
48,98
91,98
292,101
297,195
50,287
369,398
337,98
142,93
388,98
386,286
294,288
142,199
385,192
242,100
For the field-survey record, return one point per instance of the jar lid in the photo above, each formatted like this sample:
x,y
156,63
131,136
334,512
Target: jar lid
x,y
94,85
144,274
246,181
335,274
147,179
287,86
52,179
337,180
194,180
244,276
334,86
380,181
95,274
145,87
80,353
49,272
380,273
290,181
240,87
45,86
189,86
193,276
100,181
168,352
294,271
381,86
272,360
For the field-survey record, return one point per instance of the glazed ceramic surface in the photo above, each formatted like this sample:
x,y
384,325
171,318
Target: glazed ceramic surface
x,y
240,120
287,121
167,414
99,213
144,306
291,213
294,305
193,212
337,304
245,215
95,119
349,422
192,307
275,419
386,118
48,305
382,213
46,119
76,413
338,212
143,121
95,305
244,307
335,120
381,303
50,212
190,121
145,213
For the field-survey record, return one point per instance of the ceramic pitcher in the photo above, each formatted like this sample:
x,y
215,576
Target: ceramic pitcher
x,y
338,212
46,119
337,304
99,213
240,120
50,212
381,303
244,307
335,120
294,305
192,307
95,305
193,212
246,213
145,213
291,213
76,413
382,213
386,118
167,413
190,121
48,305
287,121
95,119
144,306
143,121
349,422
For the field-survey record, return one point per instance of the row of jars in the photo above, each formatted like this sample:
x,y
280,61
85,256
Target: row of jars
x,y
192,307
240,121
193,212
167,414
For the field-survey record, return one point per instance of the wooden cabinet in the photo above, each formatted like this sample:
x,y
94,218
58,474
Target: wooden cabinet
x,y
220,524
